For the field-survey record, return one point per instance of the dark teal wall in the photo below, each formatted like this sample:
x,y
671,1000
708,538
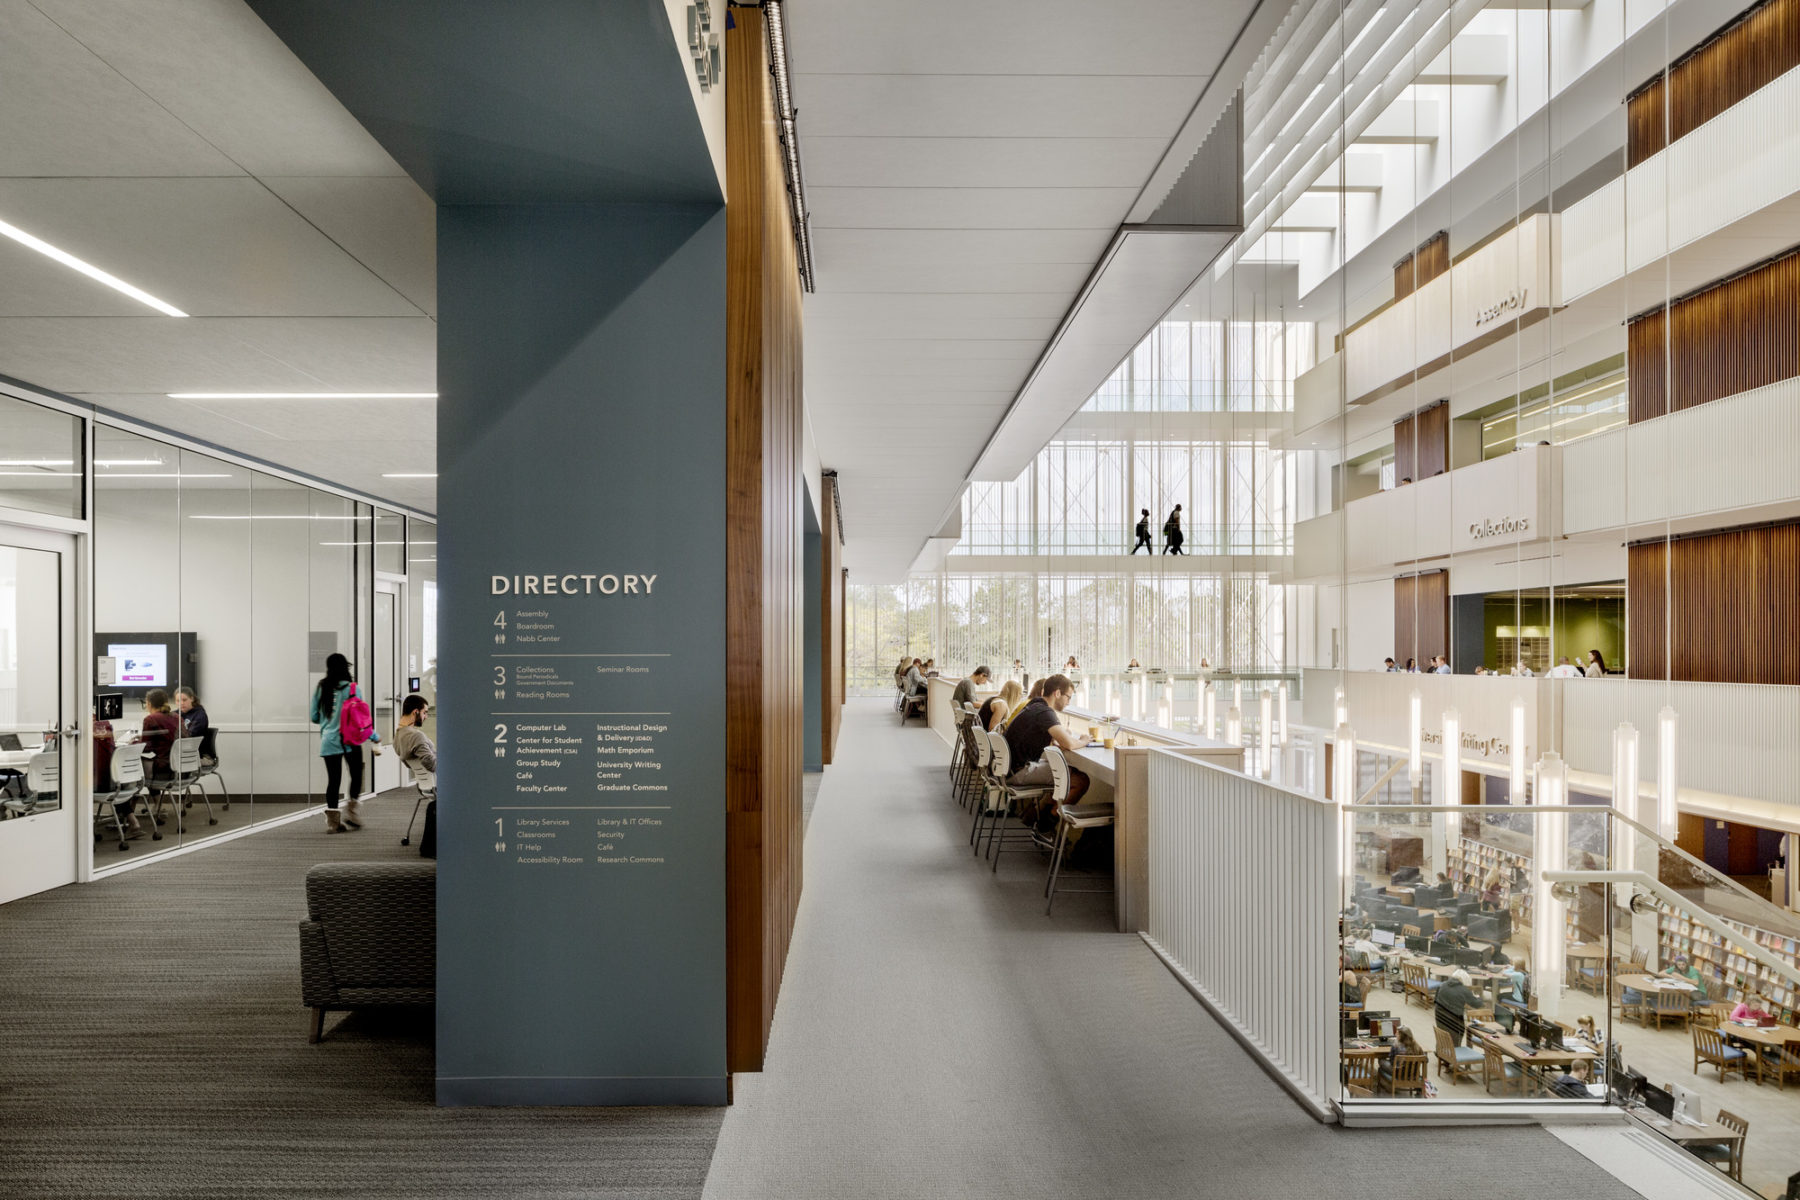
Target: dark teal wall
x,y
581,429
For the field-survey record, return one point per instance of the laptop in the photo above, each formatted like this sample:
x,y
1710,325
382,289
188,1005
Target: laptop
x,y
10,741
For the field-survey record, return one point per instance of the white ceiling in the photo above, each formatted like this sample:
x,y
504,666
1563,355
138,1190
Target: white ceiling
x,y
180,146
967,165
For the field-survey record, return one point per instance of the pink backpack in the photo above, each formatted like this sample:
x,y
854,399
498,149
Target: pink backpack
x,y
356,724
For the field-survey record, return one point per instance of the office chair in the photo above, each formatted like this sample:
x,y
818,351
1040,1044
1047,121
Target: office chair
x,y
43,780
183,780
426,782
128,782
209,764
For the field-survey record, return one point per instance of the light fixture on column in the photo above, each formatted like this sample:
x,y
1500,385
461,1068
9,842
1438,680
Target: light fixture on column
x,y
1112,700
1163,717
1343,794
1200,686
1668,790
1282,732
1452,788
1516,779
1625,794
1549,929
1340,711
1234,726
1415,737
1212,712
1266,734
1137,699
1237,693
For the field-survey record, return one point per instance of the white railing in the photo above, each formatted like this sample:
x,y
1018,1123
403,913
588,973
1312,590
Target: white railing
x,y
1243,904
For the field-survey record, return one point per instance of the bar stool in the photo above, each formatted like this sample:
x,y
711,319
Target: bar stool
x,y
1068,816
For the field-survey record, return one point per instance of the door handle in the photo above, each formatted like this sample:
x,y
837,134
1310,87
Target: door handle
x,y
70,731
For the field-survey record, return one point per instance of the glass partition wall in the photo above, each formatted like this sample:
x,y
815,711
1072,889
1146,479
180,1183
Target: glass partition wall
x,y
217,592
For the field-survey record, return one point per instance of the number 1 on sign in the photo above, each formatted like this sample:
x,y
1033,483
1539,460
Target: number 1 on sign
x,y
499,826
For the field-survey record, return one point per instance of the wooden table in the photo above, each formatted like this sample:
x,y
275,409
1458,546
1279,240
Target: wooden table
x,y
1642,982
1767,1041
1520,1051
1682,1134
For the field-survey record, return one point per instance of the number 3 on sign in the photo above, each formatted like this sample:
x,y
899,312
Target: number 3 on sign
x,y
499,674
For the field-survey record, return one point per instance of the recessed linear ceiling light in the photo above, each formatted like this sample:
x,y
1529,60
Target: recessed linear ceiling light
x,y
37,462
409,474
45,474
165,475
301,395
128,462
89,269
270,517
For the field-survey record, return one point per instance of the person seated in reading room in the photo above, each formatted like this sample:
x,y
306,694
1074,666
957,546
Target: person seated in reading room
x,y
993,713
417,753
1682,969
1452,937
1586,1030
1387,664
1404,1043
1481,670
1033,730
1453,1000
159,730
1596,665
1573,1083
1071,666
1493,891
1350,988
1133,665
1752,1008
915,678
965,688
930,667
1443,665
1564,669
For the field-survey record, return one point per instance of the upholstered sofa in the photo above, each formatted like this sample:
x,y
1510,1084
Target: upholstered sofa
x,y
369,938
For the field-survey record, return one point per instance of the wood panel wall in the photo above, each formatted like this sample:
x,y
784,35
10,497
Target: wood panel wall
x,y
1759,45
1426,263
1421,617
764,669
1422,443
1718,607
1740,333
831,580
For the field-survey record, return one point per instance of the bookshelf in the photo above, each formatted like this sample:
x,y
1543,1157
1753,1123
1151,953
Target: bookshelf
x,y
1470,861
1729,973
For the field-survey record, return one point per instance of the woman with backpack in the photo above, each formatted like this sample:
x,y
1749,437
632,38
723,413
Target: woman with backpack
x,y
345,724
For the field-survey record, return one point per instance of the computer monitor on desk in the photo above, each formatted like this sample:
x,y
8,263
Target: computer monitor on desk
x,y
1418,945
1687,1105
1657,1100
1384,1027
1382,937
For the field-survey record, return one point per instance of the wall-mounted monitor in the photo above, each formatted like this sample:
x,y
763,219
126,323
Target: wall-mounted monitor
x,y
144,662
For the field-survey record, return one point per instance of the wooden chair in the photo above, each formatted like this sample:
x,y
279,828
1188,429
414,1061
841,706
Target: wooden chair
x,y
1459,1061
1359,1092
1782,1062
1496,1068
1418,983
1710,1016
1361,1070
1729,1156
1406,1074
1625,1008
1640,955
1664,1004
1411,931
1710,1047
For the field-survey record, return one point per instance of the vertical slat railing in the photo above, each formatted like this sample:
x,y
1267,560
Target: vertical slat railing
x,y
1243,909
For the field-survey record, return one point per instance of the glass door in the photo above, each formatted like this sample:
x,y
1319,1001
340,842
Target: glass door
x,y
40,777
386,690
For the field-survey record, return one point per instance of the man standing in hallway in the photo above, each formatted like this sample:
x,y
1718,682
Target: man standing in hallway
x,y
1172,537
1143,534
1035,729
965,689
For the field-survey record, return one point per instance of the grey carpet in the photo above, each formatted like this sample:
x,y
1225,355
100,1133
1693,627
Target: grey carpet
x,y
938,1036
152,1044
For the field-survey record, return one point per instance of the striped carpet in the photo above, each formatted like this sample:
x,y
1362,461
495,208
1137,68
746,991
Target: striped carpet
x,y
152,1044
939,1037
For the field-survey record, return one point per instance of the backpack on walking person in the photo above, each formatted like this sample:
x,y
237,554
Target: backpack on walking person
x,y
356,724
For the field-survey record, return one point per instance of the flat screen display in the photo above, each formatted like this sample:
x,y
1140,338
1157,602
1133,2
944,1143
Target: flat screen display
x,y
141,665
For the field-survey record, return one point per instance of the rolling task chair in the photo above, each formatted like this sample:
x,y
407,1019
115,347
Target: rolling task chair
x,y
128,783
43,781
426,782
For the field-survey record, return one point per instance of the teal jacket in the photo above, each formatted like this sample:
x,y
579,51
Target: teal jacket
x,y
330,740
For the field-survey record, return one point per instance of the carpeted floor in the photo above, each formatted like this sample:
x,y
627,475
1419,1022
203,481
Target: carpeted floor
x,y
938,1036
152,1045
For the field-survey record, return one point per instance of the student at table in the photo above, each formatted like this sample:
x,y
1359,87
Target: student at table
x,y
965,688
159,730
1350,988
194,721
1752,1008
1036,727
1514,987
993,713
915,678
1586,1030
1454,999
1573,1082
1686,971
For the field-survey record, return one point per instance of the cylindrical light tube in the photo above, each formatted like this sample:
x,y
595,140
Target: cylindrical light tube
x,y
1625,794
1668,788
1516,780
